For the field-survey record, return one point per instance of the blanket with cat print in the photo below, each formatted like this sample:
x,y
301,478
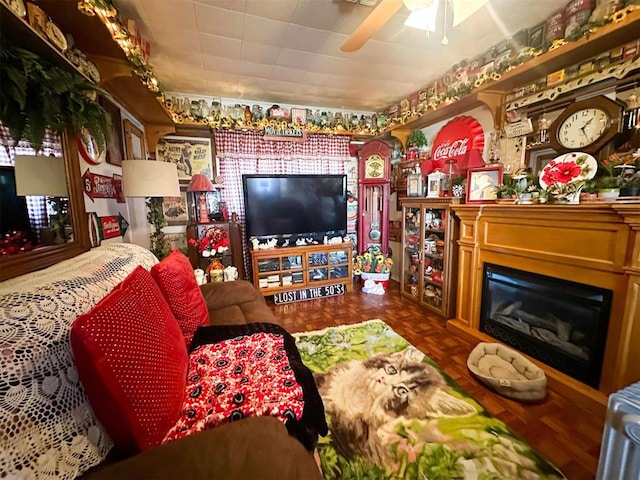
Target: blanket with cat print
x,y
238,371
393,413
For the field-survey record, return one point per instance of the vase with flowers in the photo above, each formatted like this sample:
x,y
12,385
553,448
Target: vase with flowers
x,y
373,264
564,177
213,244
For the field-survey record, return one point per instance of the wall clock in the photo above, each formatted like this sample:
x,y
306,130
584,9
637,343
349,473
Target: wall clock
x,y
587,125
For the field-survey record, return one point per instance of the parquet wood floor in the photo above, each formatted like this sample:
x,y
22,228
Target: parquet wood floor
x,y
566,435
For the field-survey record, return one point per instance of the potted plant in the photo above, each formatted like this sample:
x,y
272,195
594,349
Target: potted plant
x,y
416,141
630,186
608,187
589,191
36,95
372,264
507,189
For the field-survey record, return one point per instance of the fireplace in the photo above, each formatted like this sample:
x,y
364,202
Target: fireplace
x,y
587,258
561,323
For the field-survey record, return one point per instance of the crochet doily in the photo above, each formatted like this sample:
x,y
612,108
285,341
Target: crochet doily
x,y
47,427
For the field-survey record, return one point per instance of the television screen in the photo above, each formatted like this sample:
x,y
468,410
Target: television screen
x,y
282,205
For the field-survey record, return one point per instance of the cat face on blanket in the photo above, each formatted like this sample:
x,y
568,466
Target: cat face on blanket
x,y
364,398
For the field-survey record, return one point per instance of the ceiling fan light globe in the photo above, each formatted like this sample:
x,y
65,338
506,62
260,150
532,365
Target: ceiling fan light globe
x,y
424,19
414,5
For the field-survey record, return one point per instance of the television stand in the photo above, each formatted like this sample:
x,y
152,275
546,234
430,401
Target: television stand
x,y
307,266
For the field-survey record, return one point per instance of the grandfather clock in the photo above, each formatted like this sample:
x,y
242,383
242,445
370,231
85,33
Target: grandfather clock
x,y
374,178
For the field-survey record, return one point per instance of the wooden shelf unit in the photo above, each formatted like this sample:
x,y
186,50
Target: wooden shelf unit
x,y
492,94
306,266
233,256
92,37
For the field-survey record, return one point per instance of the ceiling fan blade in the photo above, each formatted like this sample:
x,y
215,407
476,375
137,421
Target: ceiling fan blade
x,y
463,9
374,22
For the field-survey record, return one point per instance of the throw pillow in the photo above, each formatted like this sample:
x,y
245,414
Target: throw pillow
x,y
132,362
177,282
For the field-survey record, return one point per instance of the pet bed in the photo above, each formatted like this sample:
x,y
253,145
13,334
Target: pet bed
x,y
507,372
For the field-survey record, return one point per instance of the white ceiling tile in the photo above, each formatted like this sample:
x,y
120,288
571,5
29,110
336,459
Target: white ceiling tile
x,y
318,14
219,21
264,31
303,38
249,69
220,46
257,53
220,64
177,41
281,10
237,5
170,14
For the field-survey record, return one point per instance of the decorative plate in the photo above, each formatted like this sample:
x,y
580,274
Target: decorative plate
x,y
92,71
16,6
55,35
88,148
568,168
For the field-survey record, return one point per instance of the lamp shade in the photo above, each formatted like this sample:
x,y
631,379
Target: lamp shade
x,y
200,183
148,178
40,175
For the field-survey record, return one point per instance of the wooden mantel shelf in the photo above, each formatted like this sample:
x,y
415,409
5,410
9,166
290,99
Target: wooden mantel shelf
x,y
491,93
591,244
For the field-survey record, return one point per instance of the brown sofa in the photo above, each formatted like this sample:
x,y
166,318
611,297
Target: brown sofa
x,y
256,447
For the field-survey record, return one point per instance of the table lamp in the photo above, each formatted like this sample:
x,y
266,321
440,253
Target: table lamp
x,y
45,176
152,180
200,183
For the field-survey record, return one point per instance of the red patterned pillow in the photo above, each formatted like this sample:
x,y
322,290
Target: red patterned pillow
x,y
132,362
177,282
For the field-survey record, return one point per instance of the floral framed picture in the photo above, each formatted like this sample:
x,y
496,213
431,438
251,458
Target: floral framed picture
x,y
190,154
481,183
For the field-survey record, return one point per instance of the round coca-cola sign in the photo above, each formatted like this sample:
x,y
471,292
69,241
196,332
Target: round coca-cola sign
x,y
456,139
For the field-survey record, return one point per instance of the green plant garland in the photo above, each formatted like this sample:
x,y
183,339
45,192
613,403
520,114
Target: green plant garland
x,y
36,95
159,246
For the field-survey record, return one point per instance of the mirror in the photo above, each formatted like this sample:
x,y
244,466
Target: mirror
x,y
67,234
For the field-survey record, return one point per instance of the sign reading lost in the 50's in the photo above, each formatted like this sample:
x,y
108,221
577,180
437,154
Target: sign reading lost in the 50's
x,y
309,293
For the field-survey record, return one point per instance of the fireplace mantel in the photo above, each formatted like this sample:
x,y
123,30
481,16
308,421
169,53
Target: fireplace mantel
x,y
593,244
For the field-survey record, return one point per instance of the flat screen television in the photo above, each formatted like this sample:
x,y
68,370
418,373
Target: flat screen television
x,y
286,205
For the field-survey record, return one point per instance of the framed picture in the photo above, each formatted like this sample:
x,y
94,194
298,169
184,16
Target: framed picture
x,y
115,151
133,141
190,154
175,209
481,183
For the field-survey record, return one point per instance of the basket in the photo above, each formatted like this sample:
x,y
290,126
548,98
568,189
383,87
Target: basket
x,y
382,278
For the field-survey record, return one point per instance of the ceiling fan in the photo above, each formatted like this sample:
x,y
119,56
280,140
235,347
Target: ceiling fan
x,y
420,9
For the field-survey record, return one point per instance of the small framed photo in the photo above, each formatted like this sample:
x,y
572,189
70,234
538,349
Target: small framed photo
x,y
481,183
175,209
115,151
133,141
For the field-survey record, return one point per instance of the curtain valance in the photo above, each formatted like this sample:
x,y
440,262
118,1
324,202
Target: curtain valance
x,y
251,144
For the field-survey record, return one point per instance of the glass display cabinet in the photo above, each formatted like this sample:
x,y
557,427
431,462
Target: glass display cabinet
x,y
291,268
429,234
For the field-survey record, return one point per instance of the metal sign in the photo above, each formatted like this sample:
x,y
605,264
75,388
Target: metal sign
x,y
309,293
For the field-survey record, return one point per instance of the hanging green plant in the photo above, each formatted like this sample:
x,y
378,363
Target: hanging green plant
x,y
36,95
